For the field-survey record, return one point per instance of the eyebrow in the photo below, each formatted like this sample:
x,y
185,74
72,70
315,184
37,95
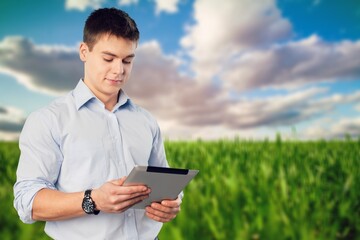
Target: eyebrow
x,y
114,55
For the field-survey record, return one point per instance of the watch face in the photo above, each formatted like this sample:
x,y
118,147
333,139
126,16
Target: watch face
x,y
88,205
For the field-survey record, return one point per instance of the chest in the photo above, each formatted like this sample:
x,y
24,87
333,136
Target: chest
x,y
104,146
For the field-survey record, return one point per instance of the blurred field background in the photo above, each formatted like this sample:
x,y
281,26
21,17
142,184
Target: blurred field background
x,y
245,190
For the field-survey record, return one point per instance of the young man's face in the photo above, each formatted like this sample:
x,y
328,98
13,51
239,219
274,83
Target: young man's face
x,y
108,65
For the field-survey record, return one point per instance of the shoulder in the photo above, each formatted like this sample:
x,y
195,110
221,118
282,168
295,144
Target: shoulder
x,y
46,122
53,108
48,116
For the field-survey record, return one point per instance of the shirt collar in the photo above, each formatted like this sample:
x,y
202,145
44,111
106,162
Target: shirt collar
x,y
83,94
123,99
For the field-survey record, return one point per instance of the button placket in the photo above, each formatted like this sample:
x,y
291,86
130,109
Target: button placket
x,y
117,144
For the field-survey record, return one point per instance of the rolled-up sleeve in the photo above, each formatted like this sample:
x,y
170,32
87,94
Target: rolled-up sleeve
x,y
39,162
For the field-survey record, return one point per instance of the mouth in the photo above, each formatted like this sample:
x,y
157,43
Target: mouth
x,y
115,81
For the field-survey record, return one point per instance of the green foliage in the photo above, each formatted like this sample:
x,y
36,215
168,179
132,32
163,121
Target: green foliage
x,y
268,190
10,225
245,190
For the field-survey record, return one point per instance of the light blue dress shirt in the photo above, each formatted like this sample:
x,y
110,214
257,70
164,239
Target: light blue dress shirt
x,y
76,144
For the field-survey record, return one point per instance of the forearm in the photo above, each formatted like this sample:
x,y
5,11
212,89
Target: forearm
x,y
53,205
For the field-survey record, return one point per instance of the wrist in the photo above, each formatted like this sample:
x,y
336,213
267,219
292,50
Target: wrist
x,y
95,198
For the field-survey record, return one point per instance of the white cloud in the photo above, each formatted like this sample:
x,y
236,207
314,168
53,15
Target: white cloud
x,y
293,64
187,108
352,98
47,69
234,43
184,107
11,122
127,2
81,5
277,110
349,126
223,30
357,107
168,6
334,129
157,85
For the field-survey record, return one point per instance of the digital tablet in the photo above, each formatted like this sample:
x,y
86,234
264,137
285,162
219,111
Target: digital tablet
x,y
165,183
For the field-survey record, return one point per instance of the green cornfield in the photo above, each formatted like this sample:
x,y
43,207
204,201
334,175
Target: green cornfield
x,y
245,190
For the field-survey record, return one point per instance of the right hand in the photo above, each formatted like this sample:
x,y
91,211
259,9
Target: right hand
x,y
114,197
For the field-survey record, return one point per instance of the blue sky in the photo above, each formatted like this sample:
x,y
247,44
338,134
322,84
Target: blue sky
x,y
205,68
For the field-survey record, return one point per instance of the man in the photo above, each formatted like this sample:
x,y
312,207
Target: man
x,y
75,152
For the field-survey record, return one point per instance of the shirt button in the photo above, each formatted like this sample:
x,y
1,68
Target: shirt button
x,y
129,214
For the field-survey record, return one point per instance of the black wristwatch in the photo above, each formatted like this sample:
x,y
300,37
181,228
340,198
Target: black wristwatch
x,y
88,205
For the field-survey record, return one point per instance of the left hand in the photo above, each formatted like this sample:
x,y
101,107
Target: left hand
x,y
164,211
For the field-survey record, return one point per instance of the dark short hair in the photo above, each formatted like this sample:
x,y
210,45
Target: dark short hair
x,y
110,21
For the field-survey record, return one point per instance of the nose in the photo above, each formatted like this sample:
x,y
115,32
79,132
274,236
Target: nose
x,y
118,68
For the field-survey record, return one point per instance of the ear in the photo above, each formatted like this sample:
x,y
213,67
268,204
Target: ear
x,y
83,50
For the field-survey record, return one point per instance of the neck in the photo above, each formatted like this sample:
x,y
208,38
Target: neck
x,y
109,105
109,100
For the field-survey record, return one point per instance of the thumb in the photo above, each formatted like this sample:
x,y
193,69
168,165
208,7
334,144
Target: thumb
x,y
119,182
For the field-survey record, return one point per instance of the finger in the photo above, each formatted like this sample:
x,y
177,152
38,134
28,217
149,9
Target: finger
x,y
123,197
128,190
119,182
134,190
156,218
159,215
163,211
173,208
136,194
124,205
171,203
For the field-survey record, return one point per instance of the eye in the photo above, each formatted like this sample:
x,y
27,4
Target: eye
x,y
108,59
126,61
